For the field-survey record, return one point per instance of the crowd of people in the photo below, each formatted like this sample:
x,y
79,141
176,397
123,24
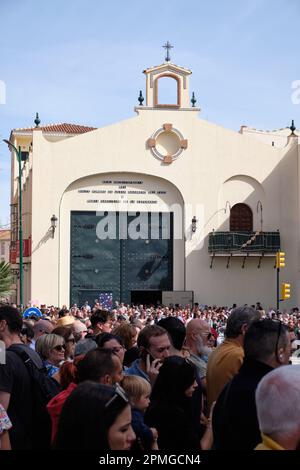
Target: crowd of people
x,y
216,316
146,378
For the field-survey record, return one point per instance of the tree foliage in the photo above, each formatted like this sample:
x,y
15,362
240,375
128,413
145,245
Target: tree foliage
x,y
6,279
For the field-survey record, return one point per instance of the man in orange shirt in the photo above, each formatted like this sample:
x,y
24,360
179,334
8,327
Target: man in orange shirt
x,y
225,361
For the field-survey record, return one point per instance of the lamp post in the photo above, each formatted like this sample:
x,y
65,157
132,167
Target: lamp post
x,y
54,220
19,155
194,224
259,204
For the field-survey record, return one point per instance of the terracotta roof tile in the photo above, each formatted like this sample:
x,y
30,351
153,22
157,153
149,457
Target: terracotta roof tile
x,y
62,128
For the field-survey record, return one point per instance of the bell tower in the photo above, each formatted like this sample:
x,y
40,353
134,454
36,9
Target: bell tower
x,y
170,76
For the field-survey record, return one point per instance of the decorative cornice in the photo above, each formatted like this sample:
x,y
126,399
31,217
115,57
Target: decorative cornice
x,y
168,66
170,108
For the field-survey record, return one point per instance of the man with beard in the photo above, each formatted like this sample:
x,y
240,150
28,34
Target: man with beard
x,y
197,336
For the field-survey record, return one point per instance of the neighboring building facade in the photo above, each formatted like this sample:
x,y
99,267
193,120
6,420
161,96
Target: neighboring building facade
x,y
4,245
232,199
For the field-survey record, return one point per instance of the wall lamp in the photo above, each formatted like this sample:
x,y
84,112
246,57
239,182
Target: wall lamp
x,y
259,205
54,220
227,204
194,224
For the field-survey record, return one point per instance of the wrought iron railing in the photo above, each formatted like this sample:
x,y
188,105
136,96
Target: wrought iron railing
x,y
244,242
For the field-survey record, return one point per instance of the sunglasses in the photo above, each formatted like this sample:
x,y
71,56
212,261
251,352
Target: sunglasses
x,y
119,393
208,335
60,347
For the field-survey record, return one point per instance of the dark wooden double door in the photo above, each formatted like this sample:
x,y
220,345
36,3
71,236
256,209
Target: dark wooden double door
x,y
120,267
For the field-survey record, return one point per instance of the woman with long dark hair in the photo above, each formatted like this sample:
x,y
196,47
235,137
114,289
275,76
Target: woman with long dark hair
x,y
171,408
95,417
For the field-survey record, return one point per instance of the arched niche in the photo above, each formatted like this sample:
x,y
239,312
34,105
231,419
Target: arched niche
x,y
240,189
83,194
167,91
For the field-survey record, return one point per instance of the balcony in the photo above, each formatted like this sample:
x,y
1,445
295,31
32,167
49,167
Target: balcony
x,y
15,250
243,243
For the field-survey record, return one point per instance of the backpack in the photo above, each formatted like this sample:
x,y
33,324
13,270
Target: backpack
x,y
43,389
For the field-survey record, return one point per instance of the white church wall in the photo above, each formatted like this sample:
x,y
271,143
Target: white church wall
x,y
207,174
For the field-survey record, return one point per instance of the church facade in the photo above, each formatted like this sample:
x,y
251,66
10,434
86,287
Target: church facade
x,y
162,202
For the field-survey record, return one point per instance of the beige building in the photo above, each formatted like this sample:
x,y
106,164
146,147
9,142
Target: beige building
x,y
164,201
4,245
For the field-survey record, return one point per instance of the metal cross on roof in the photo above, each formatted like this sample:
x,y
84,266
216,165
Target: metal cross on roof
x,y
168,46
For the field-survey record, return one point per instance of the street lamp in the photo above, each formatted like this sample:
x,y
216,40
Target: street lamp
x,y
54,220
259,204
21,156
194,224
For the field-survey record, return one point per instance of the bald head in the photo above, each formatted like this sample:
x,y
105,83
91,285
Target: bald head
x,y
197,326
41,327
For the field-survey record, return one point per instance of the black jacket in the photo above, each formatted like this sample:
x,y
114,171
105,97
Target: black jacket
x,y
235,424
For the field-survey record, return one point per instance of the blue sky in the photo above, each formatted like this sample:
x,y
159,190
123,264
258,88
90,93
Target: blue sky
x,y
82,61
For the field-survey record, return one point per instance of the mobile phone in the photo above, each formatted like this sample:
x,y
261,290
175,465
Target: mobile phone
x,y
150,356
145,353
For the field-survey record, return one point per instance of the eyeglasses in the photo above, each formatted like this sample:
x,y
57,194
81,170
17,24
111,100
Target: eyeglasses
x,y
119,392
60,347
206,335
210,336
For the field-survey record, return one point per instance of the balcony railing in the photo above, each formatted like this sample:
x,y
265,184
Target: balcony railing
x,y
243,242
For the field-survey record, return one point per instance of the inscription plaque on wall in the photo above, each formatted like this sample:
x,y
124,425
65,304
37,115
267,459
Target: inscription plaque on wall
x,y
121,192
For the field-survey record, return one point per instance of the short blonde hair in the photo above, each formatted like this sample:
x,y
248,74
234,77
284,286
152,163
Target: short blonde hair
x,y
45,343
135,387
